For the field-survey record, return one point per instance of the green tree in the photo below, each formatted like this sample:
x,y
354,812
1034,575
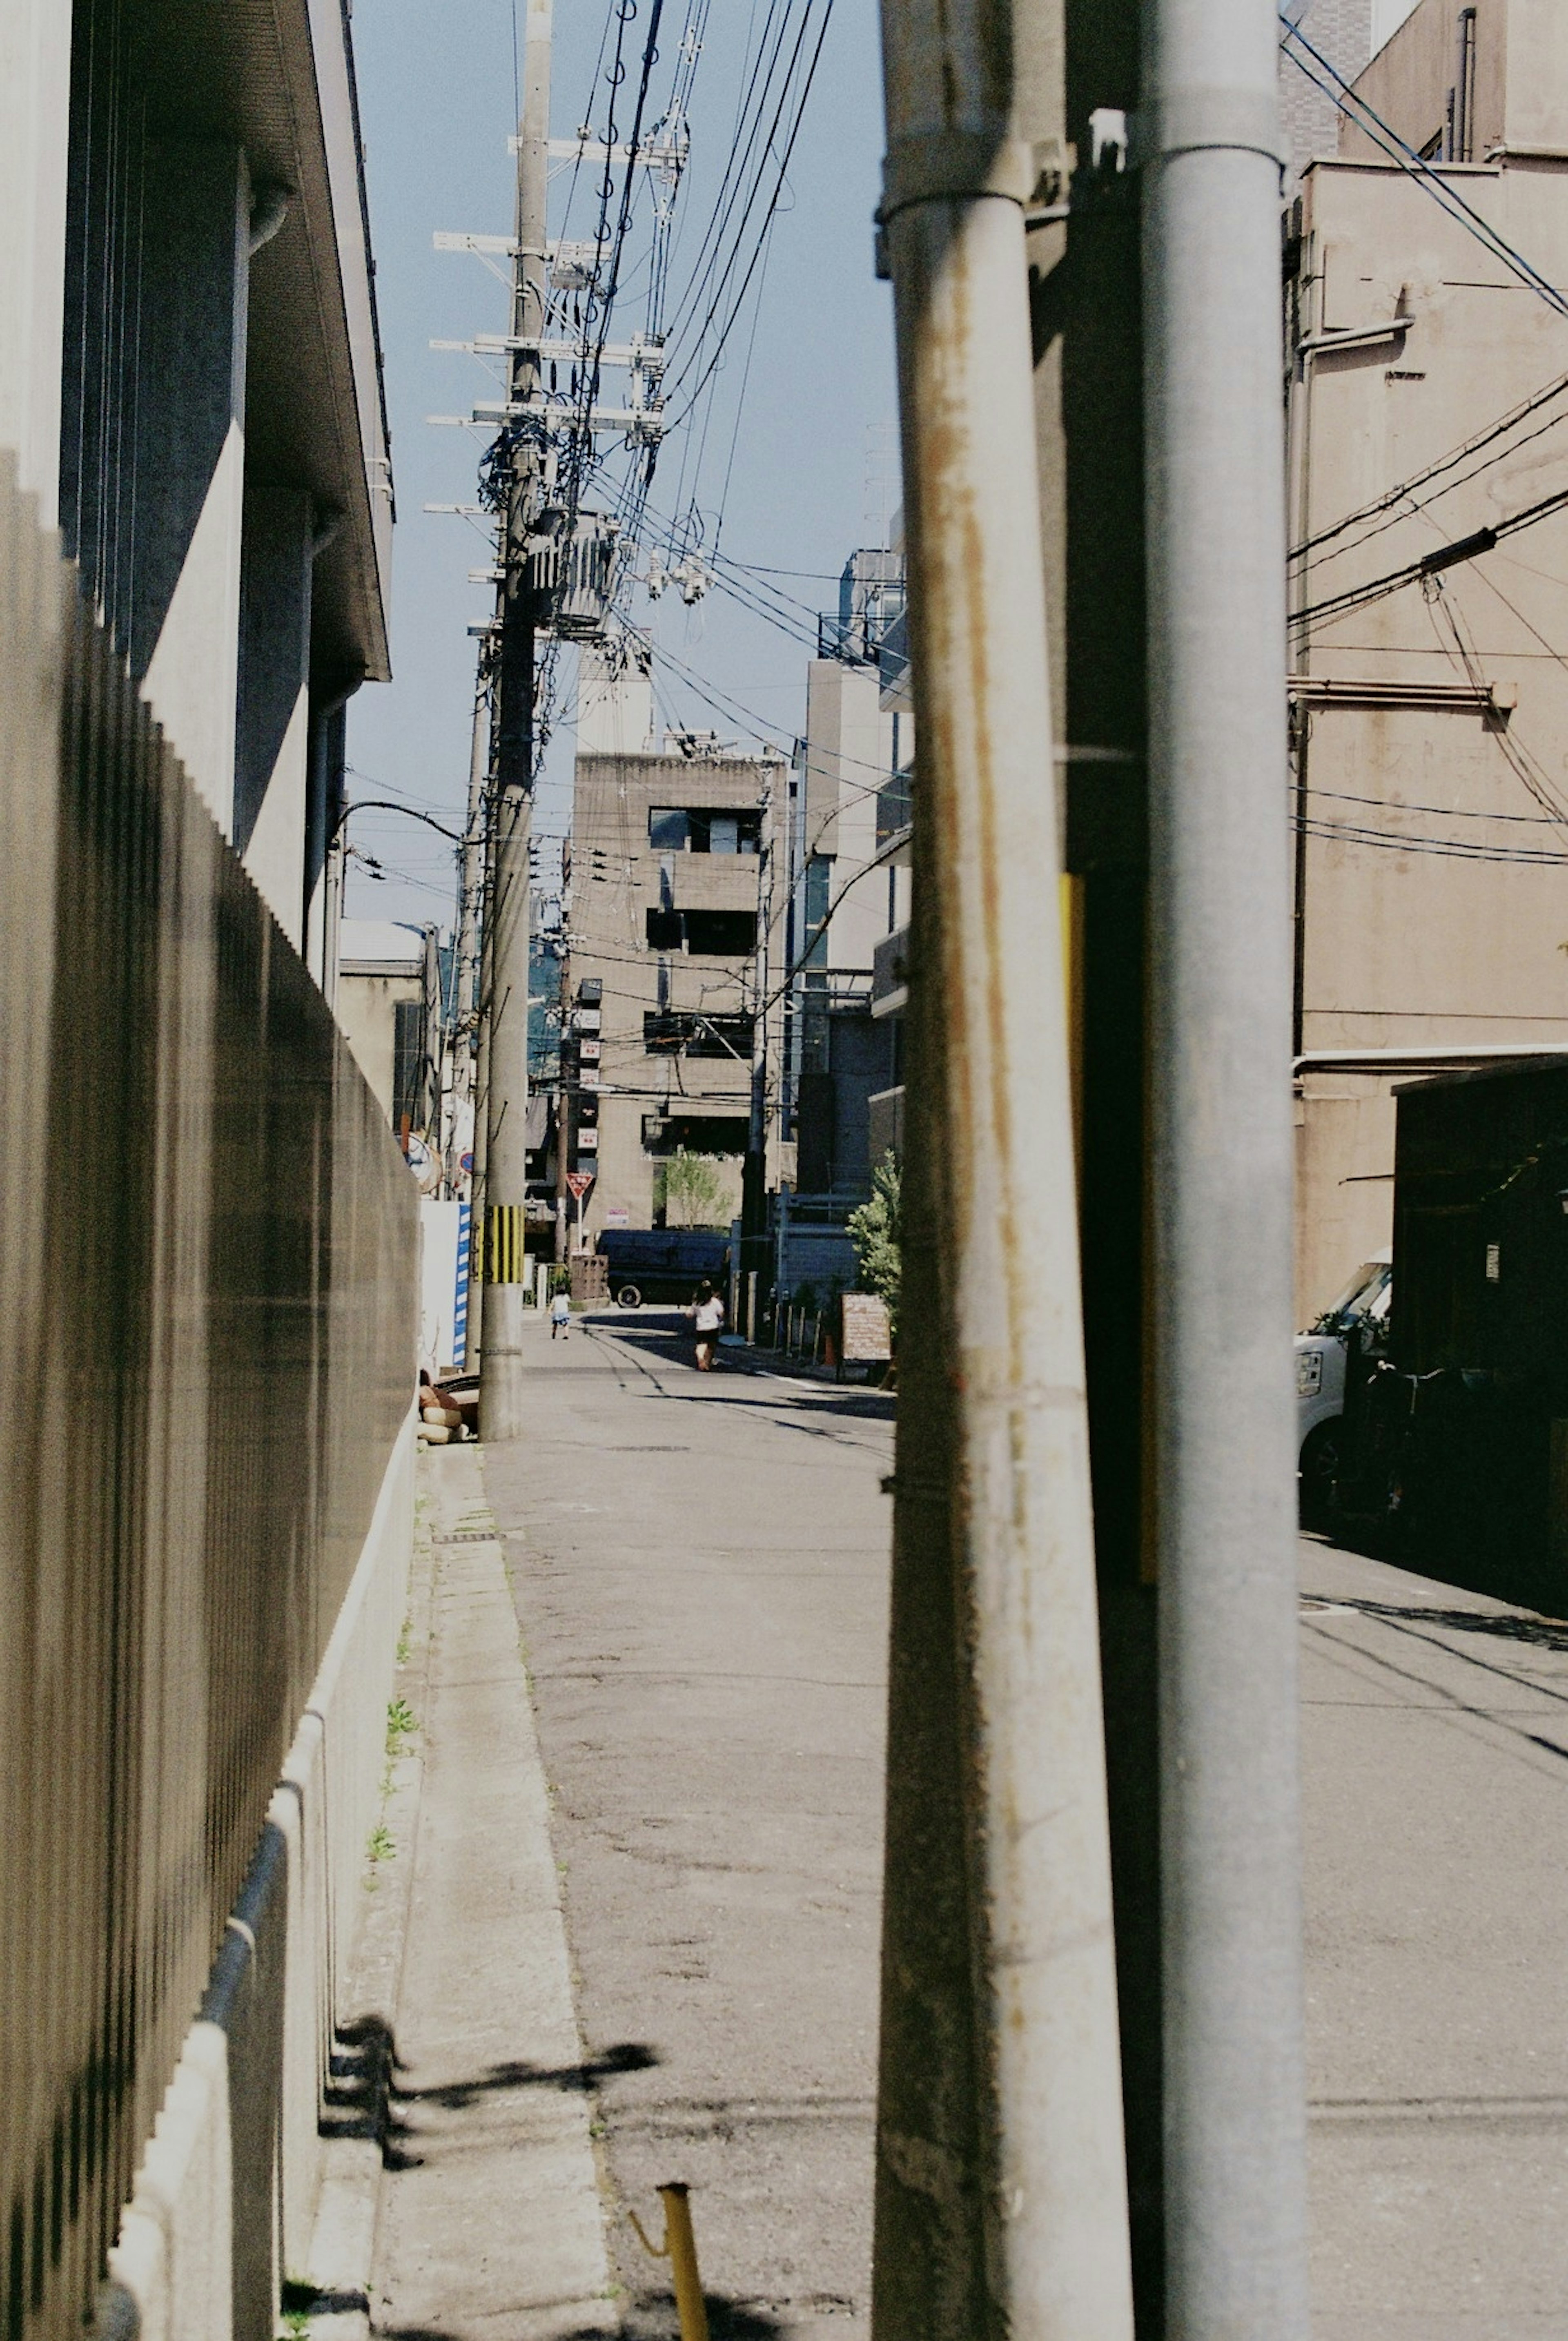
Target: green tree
x,y
693,1191
876,1232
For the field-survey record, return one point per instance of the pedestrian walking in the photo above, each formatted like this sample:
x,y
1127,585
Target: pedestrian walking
x,y
707,1323
559,1316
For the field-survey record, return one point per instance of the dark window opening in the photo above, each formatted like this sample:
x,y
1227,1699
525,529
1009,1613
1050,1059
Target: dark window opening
x,y
704,829
694,1133
727,934
722,933
698,1036
408,1064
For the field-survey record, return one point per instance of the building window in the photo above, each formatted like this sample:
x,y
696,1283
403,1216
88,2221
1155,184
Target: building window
x,y
703,829
725,934
408,1064
694,1133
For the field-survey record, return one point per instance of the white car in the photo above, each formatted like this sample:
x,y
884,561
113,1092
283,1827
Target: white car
x,y
1321,1356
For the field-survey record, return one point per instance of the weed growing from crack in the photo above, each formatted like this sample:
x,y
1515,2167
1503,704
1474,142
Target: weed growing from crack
x,y
378,1845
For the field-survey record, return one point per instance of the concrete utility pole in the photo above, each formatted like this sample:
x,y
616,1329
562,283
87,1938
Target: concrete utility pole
x,y
507,939
1220,970
1001,2195
1079,65
466,1082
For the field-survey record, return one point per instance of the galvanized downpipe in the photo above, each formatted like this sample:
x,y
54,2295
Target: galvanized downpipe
x,y
1001,2176
1220,924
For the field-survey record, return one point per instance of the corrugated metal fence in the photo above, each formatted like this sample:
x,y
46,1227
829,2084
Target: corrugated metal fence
x,y
208,1256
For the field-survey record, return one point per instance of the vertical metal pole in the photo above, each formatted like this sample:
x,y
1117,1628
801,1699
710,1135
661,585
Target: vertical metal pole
x,y
1001,2193
1220,905
506,1149
468,1060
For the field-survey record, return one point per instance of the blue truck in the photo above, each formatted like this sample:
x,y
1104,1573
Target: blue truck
x,y
662,1263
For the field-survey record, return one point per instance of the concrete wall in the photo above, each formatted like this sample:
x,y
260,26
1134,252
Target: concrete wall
x,y
273,725
225,2199
367,1011
184,618
1521,78
35,110
1341,31
1432,889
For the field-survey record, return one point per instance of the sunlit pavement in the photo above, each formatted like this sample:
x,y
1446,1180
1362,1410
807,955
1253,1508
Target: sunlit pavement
x,y
700,1564
1436,1770
699,1567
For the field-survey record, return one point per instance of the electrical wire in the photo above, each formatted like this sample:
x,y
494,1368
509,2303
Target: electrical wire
x,y
1365,118
1355,597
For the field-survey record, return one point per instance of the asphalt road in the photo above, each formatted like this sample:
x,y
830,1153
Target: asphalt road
x,y
700,1579
1436,1754
700,1569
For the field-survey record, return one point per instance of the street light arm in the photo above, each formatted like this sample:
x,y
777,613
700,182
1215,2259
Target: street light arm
x,y
384,804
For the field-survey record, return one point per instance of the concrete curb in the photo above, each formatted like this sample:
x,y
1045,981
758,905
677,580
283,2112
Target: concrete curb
x,y
490,2213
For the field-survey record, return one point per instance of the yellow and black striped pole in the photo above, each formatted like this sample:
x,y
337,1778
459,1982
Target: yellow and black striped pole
x,y
504,1260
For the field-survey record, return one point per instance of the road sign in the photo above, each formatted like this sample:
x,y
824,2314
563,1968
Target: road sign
x,y
579,1182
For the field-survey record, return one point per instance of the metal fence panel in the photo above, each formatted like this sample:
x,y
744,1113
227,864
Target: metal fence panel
x,y
208,1271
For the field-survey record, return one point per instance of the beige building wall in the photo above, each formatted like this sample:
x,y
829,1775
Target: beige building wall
x,y
619,877
1430,724
379,965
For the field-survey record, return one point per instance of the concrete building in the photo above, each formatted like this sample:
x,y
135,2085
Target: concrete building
x,y
844,895
675,918
389,1004
190,370
1342,32
1428,718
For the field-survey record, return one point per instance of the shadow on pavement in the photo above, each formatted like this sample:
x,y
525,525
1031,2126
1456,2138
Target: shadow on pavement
x,y
1526,1580
626,2057
1543,1633
667,1336
645,2316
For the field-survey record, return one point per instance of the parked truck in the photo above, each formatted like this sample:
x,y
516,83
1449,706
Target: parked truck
x,y
662,1263
1454,1428
1335,1352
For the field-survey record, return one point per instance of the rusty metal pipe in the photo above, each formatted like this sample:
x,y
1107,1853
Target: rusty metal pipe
x,y
1000,2180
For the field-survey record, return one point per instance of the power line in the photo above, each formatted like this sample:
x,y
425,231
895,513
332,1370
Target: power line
x,y
1445,556
1365,117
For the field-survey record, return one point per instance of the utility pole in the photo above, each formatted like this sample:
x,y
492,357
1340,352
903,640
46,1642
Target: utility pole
x,y
507,924
1220,995
1001,2193
466,1084
754,1171
1080,71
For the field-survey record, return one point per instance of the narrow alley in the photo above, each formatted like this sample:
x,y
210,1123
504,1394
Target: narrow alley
x,y
643,1887
702,1593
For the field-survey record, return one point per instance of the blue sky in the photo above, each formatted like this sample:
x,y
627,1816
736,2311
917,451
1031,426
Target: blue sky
x,y
812,470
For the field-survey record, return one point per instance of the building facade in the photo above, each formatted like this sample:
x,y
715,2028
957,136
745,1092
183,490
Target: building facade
x,y
846,891
1429,686
674,919
190,371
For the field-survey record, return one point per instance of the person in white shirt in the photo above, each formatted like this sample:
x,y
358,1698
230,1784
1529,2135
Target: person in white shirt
x,y
707,1323
559,1316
